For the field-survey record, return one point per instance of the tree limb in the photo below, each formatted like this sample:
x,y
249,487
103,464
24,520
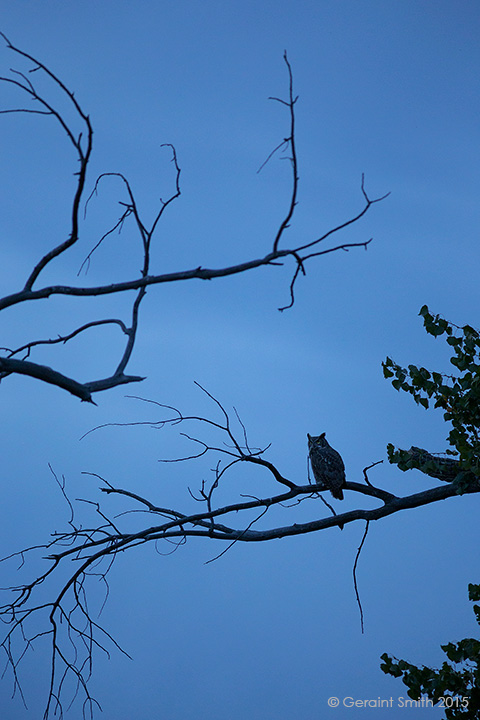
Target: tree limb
x,y
82,142
85,551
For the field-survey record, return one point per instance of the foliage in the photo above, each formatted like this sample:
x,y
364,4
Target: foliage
x,y
456,685
457,395
458,679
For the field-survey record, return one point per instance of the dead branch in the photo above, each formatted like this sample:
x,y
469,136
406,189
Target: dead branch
x,y
81,140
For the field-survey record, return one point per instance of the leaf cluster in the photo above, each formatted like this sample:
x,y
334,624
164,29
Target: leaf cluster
x,y
458,678
445,469
457,395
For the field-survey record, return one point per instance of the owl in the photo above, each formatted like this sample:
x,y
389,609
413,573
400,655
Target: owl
x,y
327,465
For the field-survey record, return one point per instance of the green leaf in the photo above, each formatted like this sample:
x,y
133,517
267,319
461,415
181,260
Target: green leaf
x,y
473,592
454,341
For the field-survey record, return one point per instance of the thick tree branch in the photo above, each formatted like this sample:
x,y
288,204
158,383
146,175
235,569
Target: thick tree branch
x,y
198,273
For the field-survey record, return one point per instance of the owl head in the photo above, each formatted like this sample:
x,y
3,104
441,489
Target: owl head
x,y
317,440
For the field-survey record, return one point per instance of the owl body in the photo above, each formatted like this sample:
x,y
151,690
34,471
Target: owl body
x,y
327,465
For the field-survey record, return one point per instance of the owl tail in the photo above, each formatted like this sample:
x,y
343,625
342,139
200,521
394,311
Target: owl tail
x,y
337,494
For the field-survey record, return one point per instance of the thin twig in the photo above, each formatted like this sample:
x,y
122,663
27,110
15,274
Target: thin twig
x,y
355,575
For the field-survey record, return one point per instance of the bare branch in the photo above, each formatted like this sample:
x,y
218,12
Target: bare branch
x,y
369,467
65,338
291,140
82,144
83,155
45,373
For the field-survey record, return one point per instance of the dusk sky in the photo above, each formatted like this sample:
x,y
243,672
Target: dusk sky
x,y
386,88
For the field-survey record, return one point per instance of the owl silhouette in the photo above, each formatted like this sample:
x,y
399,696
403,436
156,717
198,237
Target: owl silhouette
x,y
327,465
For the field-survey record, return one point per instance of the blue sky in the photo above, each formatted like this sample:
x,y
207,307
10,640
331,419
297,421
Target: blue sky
x,y
389,89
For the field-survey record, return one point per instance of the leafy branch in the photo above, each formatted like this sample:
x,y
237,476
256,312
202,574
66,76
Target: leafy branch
x,y
456,685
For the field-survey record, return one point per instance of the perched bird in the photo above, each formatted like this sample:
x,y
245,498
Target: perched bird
x,y
327,465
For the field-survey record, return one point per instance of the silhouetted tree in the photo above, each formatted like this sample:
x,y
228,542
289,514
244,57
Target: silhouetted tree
x,y
85,551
